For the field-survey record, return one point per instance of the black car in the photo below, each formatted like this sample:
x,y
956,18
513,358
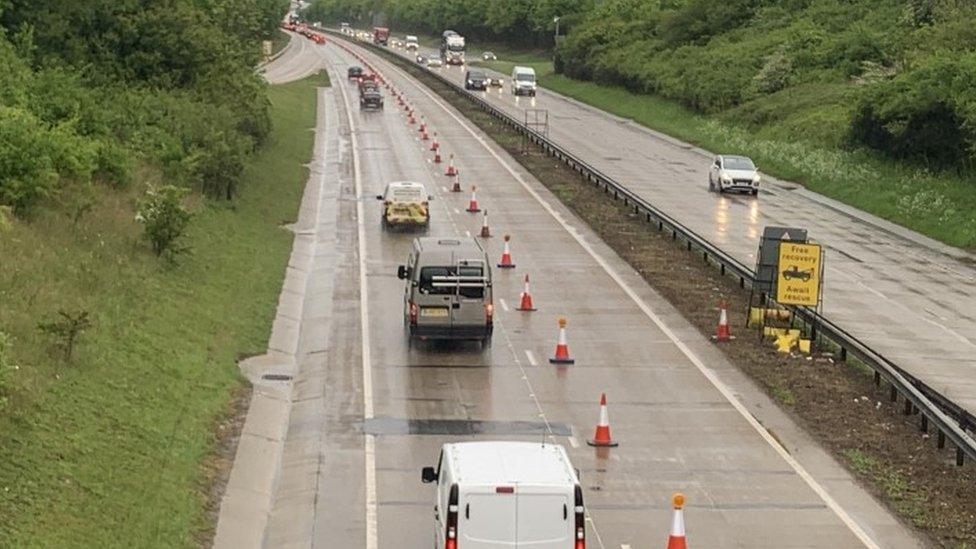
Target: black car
x,y
475,80
355,72
370,98
795,272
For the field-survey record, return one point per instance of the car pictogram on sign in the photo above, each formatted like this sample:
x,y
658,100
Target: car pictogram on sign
x,y
795,272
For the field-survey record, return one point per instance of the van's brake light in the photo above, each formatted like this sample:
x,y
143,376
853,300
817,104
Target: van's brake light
x,y
580,519
504,489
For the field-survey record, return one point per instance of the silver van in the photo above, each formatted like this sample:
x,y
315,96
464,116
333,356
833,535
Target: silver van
x,y
448,290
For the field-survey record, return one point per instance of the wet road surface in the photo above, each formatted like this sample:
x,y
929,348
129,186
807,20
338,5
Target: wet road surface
x,y
368,411
911,299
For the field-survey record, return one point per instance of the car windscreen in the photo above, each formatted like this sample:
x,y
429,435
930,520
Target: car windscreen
x,y
525,77
470,289
405,194
473,75
739,164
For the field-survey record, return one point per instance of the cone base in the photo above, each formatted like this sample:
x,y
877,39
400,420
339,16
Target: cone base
x,y
526,309
485,235
602,444
722,339
555,360
472,210
456,189
506,265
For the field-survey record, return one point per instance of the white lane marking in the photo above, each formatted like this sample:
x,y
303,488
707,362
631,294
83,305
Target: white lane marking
x,y
801,471
530,356
573,442
504,305
624,546
370,444
457,211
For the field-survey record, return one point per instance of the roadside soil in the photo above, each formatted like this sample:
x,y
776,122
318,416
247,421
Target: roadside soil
x,y
216,468
837,403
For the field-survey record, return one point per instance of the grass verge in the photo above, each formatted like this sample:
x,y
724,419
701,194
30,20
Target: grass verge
x,y
836,403
110,449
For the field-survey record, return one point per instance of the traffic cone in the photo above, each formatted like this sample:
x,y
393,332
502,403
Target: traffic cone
x,y
724,332
562,348
473,204
412,120
506,262
437,157
451,170
423,128
457,183
526,302
485,231
602,435
676,539
434,145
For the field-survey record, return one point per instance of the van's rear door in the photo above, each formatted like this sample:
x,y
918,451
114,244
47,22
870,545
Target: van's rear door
x,y
545,517
487,519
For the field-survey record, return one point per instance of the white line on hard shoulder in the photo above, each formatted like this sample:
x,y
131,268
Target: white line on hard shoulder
x,y
727,393
370,442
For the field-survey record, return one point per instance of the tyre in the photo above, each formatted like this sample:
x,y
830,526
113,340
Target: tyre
x,y
755,192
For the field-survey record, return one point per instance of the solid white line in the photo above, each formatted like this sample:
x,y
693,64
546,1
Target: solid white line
x,y
573,442
531,357
504,305
370,443
821,492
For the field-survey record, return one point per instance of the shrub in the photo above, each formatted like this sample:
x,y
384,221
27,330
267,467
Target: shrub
x,y
67,328
165,219
6,366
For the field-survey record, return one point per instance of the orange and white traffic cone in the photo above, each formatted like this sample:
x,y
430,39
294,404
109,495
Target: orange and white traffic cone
x,y
601,437
434,145
451,170
412,120
437,157
506,262
457,183
485,230
676,539
562,347
473,204
724,332
525,304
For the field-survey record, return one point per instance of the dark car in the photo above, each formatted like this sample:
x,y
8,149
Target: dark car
x,y
795,272
475,80
370,98
355,72
421,60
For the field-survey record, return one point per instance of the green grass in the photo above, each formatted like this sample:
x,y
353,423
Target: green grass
x,y
280,40
792,136
107,451
894,484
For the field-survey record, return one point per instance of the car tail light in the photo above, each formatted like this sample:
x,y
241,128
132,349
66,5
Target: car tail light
x,y
580,541
489,313
414,312
450,536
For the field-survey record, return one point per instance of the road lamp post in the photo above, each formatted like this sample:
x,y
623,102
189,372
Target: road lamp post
x,y
555,37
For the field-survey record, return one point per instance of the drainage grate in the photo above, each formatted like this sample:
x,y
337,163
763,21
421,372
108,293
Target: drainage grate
x,y
276,377
460,427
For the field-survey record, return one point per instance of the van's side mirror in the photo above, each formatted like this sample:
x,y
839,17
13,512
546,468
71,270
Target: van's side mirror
x,y
403,272
430,197
428,475
379,197
578,475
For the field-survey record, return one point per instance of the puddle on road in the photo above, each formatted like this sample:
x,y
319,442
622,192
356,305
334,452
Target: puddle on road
x,y
460,427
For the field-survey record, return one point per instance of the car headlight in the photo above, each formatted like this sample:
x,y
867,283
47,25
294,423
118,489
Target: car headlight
x,y
471,82
755,180
725,178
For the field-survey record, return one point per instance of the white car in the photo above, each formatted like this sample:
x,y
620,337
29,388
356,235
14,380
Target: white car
x,y
733,173
506,495
434,62
489,56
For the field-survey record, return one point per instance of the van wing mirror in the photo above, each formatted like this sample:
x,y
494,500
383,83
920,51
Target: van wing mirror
x,y
379,197
428,475
403,272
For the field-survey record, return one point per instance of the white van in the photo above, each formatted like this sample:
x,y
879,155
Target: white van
x,y
504,495
523,81
412,43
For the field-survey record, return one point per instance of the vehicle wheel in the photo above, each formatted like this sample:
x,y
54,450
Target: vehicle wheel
x,y
755,192
711,185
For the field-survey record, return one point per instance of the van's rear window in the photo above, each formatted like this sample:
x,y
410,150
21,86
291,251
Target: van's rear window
x,y
427,275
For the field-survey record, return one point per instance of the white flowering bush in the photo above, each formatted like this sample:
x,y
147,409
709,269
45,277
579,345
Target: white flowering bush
x,y
165,219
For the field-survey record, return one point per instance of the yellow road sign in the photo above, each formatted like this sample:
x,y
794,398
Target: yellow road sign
x,y
798,279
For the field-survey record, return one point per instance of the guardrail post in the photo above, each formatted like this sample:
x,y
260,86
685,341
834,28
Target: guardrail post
x,y
908,407
894,393
925,423
960,458
940,443
877,377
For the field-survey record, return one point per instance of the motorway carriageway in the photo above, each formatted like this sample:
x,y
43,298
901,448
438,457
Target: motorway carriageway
x,y
908,297
368,411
